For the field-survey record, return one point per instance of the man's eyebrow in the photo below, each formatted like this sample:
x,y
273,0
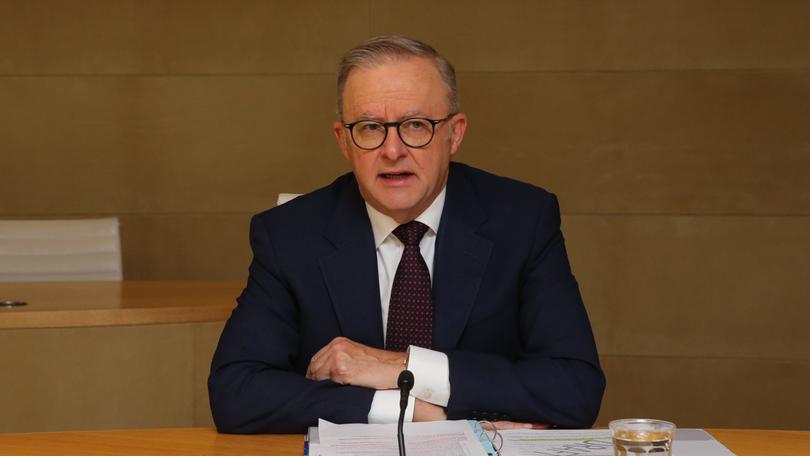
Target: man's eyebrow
x,y
406,115
368,116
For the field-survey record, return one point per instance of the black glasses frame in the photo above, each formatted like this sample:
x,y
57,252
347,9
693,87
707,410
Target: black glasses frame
x,y
387,125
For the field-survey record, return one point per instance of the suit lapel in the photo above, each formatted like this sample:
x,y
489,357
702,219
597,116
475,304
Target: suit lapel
x,y
350,272
461,259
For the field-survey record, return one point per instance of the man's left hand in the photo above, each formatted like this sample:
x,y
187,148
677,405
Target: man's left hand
x,y
506,425
350,363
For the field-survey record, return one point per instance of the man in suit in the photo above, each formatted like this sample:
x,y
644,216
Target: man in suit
x,y
410,261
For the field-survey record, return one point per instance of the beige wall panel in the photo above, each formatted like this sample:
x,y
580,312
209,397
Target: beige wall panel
x,y
586,35
694,286
163,144
160,37
735,393
186,246
647,142
728,142
96,378
206,337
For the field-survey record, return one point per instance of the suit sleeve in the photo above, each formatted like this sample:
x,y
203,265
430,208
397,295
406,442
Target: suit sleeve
x,y
254,386
556,378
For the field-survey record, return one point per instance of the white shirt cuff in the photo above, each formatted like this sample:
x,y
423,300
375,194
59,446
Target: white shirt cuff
x,y
385,408
431,375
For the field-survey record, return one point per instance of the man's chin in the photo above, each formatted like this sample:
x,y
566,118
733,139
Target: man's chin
x,y
398,209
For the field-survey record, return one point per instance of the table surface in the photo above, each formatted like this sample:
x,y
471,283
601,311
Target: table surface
x,y
74,304
200,441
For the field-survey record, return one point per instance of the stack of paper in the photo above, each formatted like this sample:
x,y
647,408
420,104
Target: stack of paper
x,y
465,438
441,438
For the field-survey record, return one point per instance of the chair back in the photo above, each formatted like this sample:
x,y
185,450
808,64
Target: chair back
x,y
284,197
60,250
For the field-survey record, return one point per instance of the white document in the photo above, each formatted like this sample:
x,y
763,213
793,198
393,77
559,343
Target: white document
x,y
439,438
556,443
688,442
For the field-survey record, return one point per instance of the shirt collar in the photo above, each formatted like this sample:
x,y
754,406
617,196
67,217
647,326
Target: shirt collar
x,y
383,225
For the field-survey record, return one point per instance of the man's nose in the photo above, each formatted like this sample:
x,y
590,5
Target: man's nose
x,y
393,148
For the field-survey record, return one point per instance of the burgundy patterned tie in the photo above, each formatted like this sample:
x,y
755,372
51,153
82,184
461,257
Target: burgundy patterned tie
x,y
410,312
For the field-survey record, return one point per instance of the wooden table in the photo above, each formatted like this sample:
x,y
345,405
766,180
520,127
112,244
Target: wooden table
x,y
76,304
196,442
85,355
744,442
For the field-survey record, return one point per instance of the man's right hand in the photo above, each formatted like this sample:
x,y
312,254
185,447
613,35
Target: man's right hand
x,y
351,363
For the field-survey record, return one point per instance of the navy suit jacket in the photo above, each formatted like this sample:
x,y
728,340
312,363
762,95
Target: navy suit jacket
x,y
508,312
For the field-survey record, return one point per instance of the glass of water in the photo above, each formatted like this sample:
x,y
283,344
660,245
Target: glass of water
x,y
637,436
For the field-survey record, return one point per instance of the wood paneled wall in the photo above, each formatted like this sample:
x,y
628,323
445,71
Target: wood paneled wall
x,y
676,134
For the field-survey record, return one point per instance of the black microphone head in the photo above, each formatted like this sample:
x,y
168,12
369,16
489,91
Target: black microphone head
x,y
405,380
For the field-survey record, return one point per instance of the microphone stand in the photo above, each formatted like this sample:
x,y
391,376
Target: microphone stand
x,y
405,383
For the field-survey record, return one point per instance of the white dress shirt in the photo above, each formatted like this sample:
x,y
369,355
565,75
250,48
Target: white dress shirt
x,y
430,368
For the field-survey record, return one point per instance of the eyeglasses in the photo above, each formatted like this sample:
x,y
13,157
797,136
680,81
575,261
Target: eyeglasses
x,y
414,132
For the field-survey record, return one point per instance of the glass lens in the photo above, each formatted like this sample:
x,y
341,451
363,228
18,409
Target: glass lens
x,y
368,134
416,132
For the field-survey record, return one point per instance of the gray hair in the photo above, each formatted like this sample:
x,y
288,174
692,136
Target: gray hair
x,y
386,48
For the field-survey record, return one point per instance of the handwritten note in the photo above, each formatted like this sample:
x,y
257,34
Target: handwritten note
x,y
557,443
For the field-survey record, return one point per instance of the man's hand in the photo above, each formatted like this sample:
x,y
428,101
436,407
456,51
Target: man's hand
x,y
350,363
501,425
425,411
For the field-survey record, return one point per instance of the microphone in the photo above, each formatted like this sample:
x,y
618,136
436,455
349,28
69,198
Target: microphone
x,y
405,383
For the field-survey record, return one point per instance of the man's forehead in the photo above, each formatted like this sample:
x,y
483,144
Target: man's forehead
x,y
411,80
415,69
383,114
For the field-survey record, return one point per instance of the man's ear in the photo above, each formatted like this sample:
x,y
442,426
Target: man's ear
x,y
340,134
458,126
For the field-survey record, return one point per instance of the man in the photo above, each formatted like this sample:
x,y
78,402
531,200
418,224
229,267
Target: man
x,y
409,261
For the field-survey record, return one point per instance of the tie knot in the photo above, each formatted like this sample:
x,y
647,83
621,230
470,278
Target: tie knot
x,y
411,233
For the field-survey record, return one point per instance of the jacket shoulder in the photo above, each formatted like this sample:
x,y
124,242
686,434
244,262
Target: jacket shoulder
x,y
307,212
498,192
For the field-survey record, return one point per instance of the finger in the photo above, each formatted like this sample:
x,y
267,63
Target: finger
x,y
320,353
318,368
519,425
503,425
320,372
341,368
334,361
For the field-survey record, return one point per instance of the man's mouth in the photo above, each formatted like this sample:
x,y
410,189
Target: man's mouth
x,y
399,175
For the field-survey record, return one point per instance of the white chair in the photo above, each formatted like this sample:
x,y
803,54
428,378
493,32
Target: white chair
x,y
60,250
284,197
